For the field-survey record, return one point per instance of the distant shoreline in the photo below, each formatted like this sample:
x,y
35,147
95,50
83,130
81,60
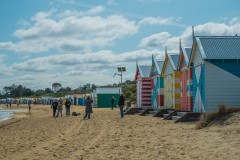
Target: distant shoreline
x,y
6,114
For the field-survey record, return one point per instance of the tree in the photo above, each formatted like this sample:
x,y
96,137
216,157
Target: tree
x,y
128,95
7,89
48,90
56,87
27,92
94,86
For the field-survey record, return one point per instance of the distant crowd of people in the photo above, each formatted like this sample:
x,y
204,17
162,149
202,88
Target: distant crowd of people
x,y
57,106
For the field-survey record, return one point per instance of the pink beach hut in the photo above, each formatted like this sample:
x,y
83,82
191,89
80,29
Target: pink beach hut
x,y
185,78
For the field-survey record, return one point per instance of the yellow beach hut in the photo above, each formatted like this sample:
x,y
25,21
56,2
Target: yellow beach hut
x,y
171,81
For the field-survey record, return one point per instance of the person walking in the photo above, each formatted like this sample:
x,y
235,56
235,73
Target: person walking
x,y
67,105
121,104
54,107
59,107
29,102
88,109
112,102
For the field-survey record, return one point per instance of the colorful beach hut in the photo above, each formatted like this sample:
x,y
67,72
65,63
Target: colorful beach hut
x,y
171,81
185,78
157,81
216,72
143,86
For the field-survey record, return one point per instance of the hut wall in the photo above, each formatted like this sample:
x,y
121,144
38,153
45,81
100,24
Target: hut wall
x,y
222,84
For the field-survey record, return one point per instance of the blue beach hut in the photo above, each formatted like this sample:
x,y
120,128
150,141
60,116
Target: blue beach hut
x,y
216,72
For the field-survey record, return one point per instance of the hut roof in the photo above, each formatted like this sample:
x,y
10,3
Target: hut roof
x,y
187,53
144,71
159,65
174,58
219,47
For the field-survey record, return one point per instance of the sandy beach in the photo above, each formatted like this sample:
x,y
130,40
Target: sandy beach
x,y
39,136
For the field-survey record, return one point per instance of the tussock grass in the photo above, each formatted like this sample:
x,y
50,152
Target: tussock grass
x,y
207,118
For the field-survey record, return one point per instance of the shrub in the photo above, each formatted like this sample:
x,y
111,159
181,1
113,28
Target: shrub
x,y
207,118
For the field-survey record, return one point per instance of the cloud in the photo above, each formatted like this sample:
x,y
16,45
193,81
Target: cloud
x,y
160,21
163,39
111,2
70,33
75,69
92,11
99,60
95,10
155,40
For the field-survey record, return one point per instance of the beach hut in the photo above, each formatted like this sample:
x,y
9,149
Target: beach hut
x,y
104,96
216,72
157,87
171,81
143,86
185,78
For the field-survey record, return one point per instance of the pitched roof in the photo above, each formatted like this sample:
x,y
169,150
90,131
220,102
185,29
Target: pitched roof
x,y
144,71
174,58
219,47
187,53
115,90
159,65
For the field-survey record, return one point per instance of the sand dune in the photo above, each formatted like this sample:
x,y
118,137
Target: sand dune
x,y
107,136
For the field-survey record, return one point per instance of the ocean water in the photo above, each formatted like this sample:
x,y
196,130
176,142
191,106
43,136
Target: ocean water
x,y
7,114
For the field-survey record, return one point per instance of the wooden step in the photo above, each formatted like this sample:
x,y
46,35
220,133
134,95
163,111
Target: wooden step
x,y
141,111
170,111
181,114
165,115
175,118
153,112
190,116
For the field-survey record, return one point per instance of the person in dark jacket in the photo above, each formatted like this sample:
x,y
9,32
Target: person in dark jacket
x,y
112,102
67,105
88,110
54,107
121,104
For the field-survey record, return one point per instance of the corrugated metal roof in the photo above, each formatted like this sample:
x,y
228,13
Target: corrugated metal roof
x,y
159,66
144,71
187,53
116,90
174,58
219,47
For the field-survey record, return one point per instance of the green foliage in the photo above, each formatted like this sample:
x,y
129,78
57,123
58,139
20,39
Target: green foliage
x,y
129,90
128,95
15,91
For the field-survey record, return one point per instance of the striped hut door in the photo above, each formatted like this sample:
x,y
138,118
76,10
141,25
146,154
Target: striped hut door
x,y
168,91
184,90
139,99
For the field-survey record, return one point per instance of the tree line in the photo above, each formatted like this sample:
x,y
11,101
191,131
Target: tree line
x,y
17,91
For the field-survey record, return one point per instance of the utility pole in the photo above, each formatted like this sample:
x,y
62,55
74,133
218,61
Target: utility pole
x,y
120,69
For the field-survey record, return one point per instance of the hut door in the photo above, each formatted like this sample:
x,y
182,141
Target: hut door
x,y
198,105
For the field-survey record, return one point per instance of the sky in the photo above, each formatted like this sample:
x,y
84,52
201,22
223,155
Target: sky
x,y
75,42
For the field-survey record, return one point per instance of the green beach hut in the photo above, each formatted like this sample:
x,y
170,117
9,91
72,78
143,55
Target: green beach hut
x,y
104,96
